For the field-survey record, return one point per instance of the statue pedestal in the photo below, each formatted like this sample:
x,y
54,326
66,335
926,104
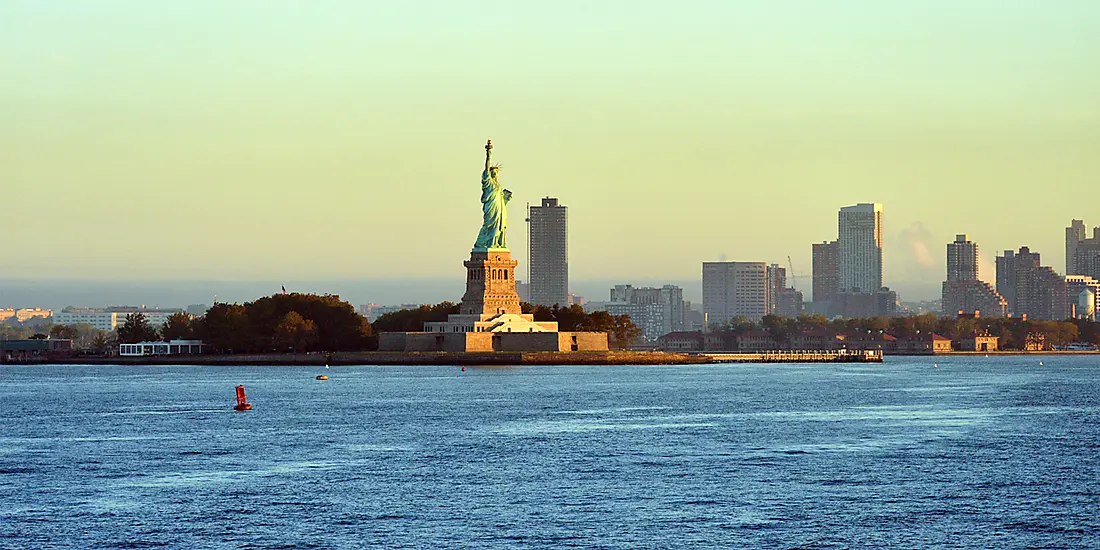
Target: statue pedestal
x,y
490,284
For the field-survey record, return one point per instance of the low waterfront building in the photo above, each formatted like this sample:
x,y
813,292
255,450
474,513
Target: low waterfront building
x,y
171,347
923,343
756,340
34,349
681,341
813,338
980,341
858,340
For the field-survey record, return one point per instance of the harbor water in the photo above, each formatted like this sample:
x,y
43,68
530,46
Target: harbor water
x,y
916,452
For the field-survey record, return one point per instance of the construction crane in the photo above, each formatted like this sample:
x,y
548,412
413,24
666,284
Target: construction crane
x,y
791,276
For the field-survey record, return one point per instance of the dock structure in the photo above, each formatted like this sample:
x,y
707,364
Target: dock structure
x,y
796,356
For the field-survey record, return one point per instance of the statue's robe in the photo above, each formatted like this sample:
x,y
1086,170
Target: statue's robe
x,y
494,223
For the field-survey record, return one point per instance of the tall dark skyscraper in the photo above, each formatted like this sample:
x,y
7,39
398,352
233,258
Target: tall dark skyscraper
x,y
548,253
826,272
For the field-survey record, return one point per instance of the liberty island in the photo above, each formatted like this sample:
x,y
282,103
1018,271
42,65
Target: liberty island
x,y
490,318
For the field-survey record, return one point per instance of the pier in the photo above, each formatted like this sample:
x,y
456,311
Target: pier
x,y
796,356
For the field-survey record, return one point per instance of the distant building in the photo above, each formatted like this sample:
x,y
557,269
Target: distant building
x,y
373,311
681,341
197,310
860,248
548,253
980,341
785,301
962,259
882,303
755,340
32,350
735,289
657,311
1082,296
111,318
693,318
963,291
826,273
25,314
523,288
924,343
1082,254
1030,288
575,300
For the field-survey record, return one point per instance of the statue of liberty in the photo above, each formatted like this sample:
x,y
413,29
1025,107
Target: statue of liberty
x,y
494,199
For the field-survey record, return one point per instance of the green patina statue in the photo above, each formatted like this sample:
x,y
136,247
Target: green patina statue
x,y
494,200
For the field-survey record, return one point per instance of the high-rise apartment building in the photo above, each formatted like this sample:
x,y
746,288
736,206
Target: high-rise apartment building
x,y
657,311
962,259
826,272
1030,288
859,237
962,291
735,289
1082,254
548,253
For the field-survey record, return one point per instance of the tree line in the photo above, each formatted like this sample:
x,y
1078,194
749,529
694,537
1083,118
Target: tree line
x,y
1013,332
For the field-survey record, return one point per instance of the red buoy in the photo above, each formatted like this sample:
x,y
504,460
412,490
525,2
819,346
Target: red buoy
x,y
242,403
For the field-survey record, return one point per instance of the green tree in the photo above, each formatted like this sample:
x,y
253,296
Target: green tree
x,y
177,327
226,328
295,332
412,320
101,344
136,329
63,332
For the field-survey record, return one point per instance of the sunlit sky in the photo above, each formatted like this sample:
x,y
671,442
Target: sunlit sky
x,y
265,139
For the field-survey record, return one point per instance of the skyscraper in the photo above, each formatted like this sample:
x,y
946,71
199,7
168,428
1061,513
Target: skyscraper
x,y
962,260
1082,254
548,253
1030,288
1075,233
735,289
962,291
859,236
826,272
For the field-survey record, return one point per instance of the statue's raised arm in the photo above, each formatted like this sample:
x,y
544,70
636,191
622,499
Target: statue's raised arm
x,y
488,154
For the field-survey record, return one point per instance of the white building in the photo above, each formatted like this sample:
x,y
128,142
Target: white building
x,y
172,347
735,289
111,318
1083,296
860,245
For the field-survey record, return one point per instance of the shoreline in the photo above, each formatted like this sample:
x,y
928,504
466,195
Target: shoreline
x,y
385,358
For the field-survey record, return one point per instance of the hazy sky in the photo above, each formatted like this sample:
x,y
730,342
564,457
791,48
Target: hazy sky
x,y
273,140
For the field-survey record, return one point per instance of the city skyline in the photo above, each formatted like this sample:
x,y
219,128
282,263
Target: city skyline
x,y
119,119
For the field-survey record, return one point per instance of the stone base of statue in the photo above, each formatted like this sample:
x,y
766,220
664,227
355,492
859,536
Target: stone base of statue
x,y
490,284
490,318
